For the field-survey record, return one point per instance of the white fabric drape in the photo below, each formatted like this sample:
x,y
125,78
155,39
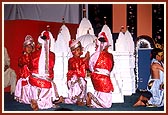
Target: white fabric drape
x,y
125,42
62,42
84,26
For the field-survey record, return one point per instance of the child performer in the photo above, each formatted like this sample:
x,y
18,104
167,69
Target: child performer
x,y
101,64
23,86
76,82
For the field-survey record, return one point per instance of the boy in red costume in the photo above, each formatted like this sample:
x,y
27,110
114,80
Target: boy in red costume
x,y
76,82
23,86
101,64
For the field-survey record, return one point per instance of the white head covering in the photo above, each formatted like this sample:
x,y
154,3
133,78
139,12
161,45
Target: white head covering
x,y
28,40
74,44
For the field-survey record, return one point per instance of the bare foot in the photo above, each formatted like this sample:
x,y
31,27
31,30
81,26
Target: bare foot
x,y
59,101
80,103
34,105
139,103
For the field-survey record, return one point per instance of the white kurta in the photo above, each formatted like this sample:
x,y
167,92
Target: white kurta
x,y
9,74
10,79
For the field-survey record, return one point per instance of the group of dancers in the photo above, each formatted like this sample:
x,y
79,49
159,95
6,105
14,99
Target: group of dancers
x,y
36,87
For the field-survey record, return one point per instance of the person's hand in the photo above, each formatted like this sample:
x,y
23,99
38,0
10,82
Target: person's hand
x,y
87,55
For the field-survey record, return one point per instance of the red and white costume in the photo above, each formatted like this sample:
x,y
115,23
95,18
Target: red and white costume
x,y
23,86
101,64
43,90
76,77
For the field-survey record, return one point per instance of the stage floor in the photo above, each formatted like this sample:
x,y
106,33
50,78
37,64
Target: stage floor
x,y
11,105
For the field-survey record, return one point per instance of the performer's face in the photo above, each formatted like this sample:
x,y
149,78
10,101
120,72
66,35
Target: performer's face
x,y
159,56
77,52
29,48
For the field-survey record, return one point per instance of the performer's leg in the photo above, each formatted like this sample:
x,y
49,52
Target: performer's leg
x,y
143,98
141,101
13,82
88,99
82,96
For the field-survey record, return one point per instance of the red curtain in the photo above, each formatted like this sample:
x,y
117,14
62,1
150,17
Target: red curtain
x,y
16,30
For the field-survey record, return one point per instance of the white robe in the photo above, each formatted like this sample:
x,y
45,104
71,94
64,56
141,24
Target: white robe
x,y
9,74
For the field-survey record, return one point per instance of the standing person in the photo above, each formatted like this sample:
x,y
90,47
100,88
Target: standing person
x,y
101,64
23,86
9,73
42,90
76,82
155,84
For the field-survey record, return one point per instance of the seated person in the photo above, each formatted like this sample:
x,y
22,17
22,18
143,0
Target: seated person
x,y
155,83
22,86
76,82
42,90
101,64
9,73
